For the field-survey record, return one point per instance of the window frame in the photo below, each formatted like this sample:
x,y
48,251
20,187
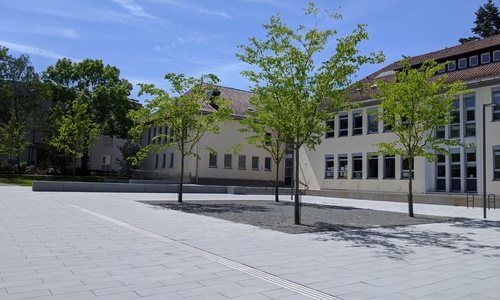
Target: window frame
x,y
171,163
371,123
253,161
468,122
164,161
357,123
462,63
344,169
212,160
495,55
496,168
455,122
268,163
343,119
392,159
228,157
329,169
330,130
495,110
244,162
357,166
471,64
451,66
483,61
407,170
369,169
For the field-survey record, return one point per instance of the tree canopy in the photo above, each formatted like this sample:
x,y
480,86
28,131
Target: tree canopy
x,y
415,103
293,88
487,22
192,108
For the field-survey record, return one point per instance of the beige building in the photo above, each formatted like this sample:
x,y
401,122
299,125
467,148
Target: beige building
x,y
341,165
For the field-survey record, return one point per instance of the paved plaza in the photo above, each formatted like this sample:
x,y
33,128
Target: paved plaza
x,y
58,245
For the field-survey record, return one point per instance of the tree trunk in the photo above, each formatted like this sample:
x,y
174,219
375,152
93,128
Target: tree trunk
x,y
19,165
276,185
410,188
74,167
181,179
296,181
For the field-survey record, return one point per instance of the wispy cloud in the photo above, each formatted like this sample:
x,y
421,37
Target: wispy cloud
x,y
192,7
34,50
61,32
133,8
211,12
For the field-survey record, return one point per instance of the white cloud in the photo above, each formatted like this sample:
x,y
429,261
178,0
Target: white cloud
x,y
34,50
210,12
192,8
61,32
133,8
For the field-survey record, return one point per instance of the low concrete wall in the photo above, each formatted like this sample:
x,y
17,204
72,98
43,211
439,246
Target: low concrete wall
x,y
432,198
55,186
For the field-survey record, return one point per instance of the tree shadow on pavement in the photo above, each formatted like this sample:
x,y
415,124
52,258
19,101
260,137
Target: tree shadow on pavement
x,y
401,242
196,208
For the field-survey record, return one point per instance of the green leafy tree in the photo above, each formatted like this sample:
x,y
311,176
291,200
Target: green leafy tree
x,y
415,103
129,152
107,94
21,92
296,92
487,22
12,135
76,131
265,134
192,108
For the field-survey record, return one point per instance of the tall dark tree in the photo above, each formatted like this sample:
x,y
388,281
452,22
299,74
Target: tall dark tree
x,y
107,98
21,93
129,151
487,22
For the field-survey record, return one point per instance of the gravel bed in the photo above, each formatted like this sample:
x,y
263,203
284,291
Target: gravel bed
x,y
279,216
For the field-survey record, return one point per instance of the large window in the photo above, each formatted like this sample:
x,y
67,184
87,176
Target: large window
x,y
455,121
164,160
343,165
496,109
405,168
106,162
267,163
330,129
470,160
329,166
389,167
496,159
255,163
455,172
228,161
357,123
372,124
373,167
212,160
171,165
440,132
344,125
156,161
441,173
242,162
357,166
470,116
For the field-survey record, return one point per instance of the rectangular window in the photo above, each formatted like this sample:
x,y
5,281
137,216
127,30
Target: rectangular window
x,y
343,125
389,167
452,66
357,123
228,161
343,166
473,61
372,124
164,161
330,129
149,137
496,160
441,173
455,172
485,58
440,131
373,167
268,138
405,169
496,109
471,181
329,166
462,63
455,121
171,165
357,166
106,162
496,55
242,159
255,163
267,164
156,161
212,160
470,116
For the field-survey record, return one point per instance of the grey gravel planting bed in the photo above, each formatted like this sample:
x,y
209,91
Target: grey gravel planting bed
x,y
314,218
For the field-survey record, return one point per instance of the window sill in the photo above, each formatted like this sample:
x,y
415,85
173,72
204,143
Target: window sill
x,y
213,167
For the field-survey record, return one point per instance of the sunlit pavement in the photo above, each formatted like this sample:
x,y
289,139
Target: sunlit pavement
x,y
109,246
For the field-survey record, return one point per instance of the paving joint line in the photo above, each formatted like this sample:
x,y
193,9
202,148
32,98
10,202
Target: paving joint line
x,y
285,283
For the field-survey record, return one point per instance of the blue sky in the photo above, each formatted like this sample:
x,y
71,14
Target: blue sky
x,y
146,39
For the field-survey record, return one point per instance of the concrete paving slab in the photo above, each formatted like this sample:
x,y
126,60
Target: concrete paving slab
x,y
117,248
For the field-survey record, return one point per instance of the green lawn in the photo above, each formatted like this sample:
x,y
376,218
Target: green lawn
x,y
27,180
